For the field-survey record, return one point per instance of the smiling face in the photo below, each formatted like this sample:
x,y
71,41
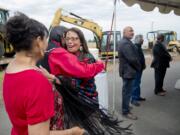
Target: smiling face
x,y
72,42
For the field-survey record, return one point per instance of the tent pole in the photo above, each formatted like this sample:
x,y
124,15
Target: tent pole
x,y
114,56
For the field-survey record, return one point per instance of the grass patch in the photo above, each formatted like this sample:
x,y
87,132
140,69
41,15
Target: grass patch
x,y
1,76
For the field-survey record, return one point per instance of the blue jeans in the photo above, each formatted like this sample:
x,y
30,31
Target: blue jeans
x,y
136,89
126,94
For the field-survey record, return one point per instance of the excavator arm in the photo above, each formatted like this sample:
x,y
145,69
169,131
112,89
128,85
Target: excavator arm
x,y
79,21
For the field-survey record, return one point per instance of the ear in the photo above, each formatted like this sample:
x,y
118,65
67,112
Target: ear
x,y
39,46
39,41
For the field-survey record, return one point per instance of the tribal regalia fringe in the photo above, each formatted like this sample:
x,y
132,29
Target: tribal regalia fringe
x,y
79,110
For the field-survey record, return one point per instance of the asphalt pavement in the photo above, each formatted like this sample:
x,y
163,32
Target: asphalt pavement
x,y
157,115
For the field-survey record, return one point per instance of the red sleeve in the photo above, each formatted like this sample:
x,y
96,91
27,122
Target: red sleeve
x,y
40,101
65,63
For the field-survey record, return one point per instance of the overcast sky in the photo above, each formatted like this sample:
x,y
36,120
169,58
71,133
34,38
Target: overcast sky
x,y
100,11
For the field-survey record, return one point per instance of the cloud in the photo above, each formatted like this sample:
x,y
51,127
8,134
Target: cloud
x,y
100,11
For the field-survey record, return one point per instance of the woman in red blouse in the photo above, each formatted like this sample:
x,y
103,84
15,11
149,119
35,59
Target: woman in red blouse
x,y
59,61
28,95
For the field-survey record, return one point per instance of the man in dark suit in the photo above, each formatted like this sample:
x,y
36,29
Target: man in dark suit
x,y
129,65
160,63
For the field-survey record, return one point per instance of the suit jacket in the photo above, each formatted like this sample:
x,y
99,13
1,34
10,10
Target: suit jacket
x,y
141,56
161,57
129,62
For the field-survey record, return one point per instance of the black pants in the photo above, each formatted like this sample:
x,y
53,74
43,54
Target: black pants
x,y
159,79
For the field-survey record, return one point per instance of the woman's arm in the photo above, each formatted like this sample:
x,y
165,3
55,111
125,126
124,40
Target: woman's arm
x,y
43,129
71,131
64,63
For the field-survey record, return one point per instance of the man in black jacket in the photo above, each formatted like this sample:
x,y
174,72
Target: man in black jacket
x,y
129,64
160,63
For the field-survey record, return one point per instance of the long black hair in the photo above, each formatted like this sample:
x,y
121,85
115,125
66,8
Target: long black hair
x,y
56,35
79,110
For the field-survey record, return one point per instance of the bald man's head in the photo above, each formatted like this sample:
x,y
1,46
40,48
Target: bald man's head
x,y
128,32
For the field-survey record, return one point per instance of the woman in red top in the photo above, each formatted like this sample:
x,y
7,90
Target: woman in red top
x,y
59,61
28,95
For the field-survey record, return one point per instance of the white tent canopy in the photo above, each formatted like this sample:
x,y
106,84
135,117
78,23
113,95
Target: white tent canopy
x,y
165,6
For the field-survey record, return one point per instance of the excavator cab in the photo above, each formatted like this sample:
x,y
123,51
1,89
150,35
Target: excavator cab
x,y
3,16
107,43
6,49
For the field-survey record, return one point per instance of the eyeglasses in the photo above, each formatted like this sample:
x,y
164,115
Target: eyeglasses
x,y
71,38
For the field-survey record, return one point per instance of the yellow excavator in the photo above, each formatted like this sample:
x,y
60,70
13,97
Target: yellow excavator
x,y
170,40
104,40
6,49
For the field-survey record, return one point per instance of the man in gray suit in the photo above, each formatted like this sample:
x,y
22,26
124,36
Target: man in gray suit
x,y
129,65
